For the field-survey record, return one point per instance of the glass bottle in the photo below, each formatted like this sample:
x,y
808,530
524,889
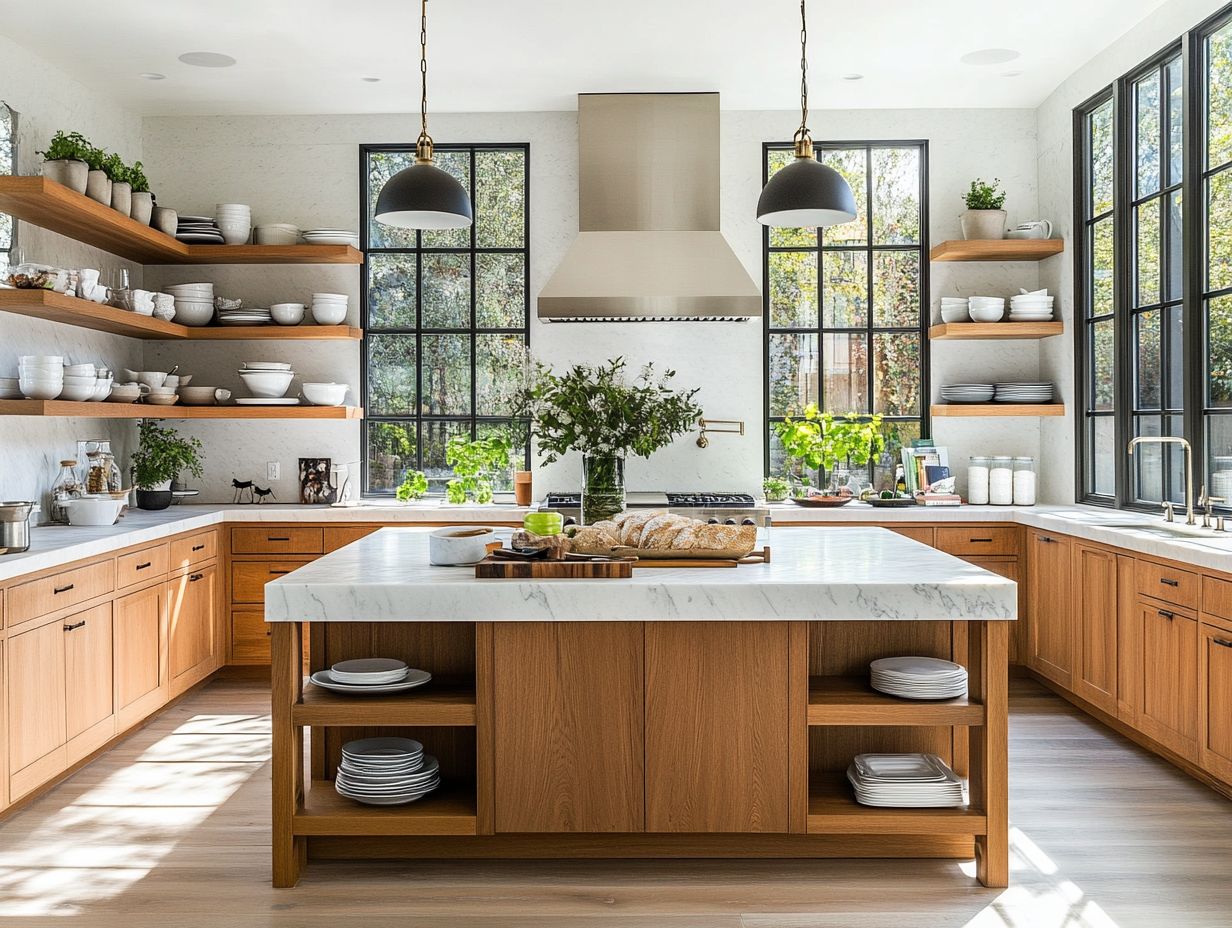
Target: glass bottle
x,y
1025,480
977,481
1001,481
67,486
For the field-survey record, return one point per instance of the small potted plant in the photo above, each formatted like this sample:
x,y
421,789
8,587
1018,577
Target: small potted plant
x,y
414,486
64,161
776,488
475,465
984,218
121,188
143,200
833,444
159,459
98,184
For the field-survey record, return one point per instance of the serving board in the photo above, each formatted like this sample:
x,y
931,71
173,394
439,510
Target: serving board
x,y
695,558
491,568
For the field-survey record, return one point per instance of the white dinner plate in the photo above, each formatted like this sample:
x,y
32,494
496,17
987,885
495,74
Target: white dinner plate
x,y
415,678
267,401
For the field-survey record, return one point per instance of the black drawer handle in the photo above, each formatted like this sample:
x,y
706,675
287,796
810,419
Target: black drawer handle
x,y
279,573
983,541
198,547
1222,643
62,589
144,566
1046,539
69,628
1167,615
193,578
1166,582
277,539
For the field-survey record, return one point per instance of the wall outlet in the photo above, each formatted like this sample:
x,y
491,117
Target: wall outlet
x,y
273,470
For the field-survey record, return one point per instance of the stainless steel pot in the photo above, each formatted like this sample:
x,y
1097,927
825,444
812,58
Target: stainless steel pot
x,y
15,526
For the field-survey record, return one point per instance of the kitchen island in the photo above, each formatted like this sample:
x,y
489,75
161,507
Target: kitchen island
x,y
681,713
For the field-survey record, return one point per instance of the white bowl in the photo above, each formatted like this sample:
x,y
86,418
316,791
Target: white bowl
x,y
267,384
49,373
954,315
80,369
77,393
325,394
330,297
329,313
269,236
40,389
49,359
93,510
287,313
102,390
191,288
265,366
193,313
987,314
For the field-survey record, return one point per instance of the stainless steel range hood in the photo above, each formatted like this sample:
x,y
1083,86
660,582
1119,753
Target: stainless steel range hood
x,y
649,246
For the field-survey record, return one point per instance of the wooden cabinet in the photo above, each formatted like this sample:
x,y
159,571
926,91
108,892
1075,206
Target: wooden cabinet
x,y
1168,695
194,549
1011,569
36,704
1049,604
138,567
248,578
1094,622
139,628
1215,707
277,540
980,541
89,686
194,639
250,637
1167,583
60,591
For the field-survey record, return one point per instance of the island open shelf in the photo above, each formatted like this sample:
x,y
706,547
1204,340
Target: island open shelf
x,y
851,701
832,810
437,704
449,810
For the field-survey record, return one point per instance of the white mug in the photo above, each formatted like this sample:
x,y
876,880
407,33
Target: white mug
x,y
1035,228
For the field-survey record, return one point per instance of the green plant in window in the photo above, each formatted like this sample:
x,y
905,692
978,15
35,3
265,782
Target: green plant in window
x,y
414,486
475,464
983,195
67,146
776,489
821,440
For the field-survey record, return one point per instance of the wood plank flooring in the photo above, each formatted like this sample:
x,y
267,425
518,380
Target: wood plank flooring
x,y
171,830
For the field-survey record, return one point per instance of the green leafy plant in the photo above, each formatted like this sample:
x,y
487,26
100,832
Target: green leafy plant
x,y
821,440
67,146
163,455
475,464
136,177
95,158
414,486
116,169
776,488
600,410
983,195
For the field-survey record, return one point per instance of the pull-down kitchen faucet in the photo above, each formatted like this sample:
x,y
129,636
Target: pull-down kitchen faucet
x,y
1189,497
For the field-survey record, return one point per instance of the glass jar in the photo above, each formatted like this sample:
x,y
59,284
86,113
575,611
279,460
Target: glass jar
x,y
1024,481
977,481
66,486
96,474
115,480
603,487
1001,481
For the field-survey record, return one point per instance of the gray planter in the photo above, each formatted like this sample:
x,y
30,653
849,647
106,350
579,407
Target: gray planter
x,y
98,187
122,197
72,174
165,220
981,224
143,206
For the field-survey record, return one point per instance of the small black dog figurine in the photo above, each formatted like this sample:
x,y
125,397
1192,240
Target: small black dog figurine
x,y
261,494
240,486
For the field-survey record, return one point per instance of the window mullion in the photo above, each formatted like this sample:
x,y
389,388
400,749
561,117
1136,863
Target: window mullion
x,y
1124,268
1193,327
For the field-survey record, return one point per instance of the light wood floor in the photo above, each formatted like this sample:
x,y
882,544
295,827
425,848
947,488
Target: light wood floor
x,y
170,830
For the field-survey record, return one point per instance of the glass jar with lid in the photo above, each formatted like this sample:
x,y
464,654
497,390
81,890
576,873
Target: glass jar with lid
x,y
66,486
1025,479
977,480
1001,481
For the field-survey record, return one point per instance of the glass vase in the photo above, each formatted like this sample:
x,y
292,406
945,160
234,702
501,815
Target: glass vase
x,y
603,487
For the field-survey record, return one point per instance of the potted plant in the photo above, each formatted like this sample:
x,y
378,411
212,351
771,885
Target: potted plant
x,y
98,184
158,460
475,464
776,488
606,415
984,218
64,161
143,200
414,486
833,444
121,188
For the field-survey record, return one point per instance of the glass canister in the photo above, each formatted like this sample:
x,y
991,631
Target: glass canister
x,y
1001,481
1025,479
67,486
96,474
115,480
977,481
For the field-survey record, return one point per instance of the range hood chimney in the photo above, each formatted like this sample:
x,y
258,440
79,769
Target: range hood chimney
x,y
649,246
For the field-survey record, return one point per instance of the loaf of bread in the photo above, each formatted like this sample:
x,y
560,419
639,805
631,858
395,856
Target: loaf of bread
x,y
663,531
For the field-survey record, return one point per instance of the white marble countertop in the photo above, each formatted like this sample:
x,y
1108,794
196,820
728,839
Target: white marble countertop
x,y
847,574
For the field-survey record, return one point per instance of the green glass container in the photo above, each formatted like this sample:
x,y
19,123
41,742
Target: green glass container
x,y
544,523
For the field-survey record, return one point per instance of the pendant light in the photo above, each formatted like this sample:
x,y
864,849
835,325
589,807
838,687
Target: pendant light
x,y
423,196
805,193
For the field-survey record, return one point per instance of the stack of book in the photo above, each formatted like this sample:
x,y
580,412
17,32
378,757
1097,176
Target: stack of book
x,y
926,469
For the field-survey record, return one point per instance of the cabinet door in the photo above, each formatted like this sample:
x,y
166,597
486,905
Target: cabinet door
x,y
1216,709
194,642
36,701
1168,698
1011,570
1095,627
139,638
1049,602
717,726
89,711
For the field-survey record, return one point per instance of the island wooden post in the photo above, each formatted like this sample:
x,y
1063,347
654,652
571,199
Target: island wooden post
x,y
988,657
287,782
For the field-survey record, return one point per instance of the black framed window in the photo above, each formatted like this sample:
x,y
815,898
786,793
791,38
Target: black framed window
x,y
8,165
845,307
446,316
1216,269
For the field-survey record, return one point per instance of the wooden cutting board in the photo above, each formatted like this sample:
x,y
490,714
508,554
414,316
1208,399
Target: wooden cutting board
x,y
491,568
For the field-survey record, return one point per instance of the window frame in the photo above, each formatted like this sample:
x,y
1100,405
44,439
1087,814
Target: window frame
x,y
472,331
14,151
869,248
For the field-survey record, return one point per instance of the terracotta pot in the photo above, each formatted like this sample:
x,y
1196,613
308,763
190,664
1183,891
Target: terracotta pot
x,y
522,487
72,174
982,224
98,187
143,206
122,197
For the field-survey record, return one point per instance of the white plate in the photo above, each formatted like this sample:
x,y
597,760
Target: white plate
x,y
415,678
365,669
267,401
199,238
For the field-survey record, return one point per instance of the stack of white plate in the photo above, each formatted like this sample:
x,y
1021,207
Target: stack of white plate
x,y
370,675
918,677
234,222
198,230
10,388
194,303
331,237
1031,307
277,233
968,393
954,309
1024,393
386,771
245,315
905,781
986,308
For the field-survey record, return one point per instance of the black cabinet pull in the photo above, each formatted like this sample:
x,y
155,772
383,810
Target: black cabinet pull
x,y
1166,614
198,547
193,578
69,628
277,539
62,589
1222,643
143,566
1046,539
279,573
1166,582
984,541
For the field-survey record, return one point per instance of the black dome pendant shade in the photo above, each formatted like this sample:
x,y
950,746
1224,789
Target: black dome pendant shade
x,y
423,196
806,193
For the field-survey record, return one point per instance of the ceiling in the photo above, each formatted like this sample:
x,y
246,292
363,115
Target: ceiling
x,y
310,56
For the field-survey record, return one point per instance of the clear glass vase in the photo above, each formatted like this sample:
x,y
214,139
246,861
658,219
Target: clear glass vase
x,y
603,487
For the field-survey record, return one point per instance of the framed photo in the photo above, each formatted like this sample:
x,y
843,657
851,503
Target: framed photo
x,y
314,485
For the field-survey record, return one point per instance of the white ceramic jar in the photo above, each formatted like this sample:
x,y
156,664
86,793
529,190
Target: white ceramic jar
x,y
1001,481
977,481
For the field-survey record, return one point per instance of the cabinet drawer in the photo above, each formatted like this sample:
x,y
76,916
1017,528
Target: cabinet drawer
x,y
1179,587
140,566
339,536
250,637
248,578
978,541
276,541
194,549
1217,597
50,594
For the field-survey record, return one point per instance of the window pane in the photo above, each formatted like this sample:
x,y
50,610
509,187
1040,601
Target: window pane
x,y
896,196
850,162
1174,269
1103,452
896,374
518,434
1147,338
390,454
1219,231
381,167
1103,299
1148,255
1102,184
793,289
7,143
1174,368
1176,122
793,373
499,362
500,291
446,291
1219,97
446,375
391,375
500,199
1148,463
844,289
457,163
896,288
1103,350
896,434
436,435
1219,345
787,238
846,372
391,291
1146,133
1219,445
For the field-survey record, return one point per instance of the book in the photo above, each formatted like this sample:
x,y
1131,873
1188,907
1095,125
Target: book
x,y
939,499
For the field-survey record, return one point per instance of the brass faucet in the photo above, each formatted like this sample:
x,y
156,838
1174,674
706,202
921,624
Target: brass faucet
x,y
1189,494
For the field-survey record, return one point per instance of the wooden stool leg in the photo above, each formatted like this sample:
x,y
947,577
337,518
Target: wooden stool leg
x,y
989,672
287,787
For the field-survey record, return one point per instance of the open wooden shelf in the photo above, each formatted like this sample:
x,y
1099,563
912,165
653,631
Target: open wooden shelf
x,y
428,705
998,330
1006,249
833,810
449,810
57,307
143,411
851,701
995,410
52,206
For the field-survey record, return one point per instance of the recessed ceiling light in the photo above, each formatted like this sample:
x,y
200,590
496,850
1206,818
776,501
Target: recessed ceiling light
x,y
989,56
371,80
153,76
207,59
853,77
1011,73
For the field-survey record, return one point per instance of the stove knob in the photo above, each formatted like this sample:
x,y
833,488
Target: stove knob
x,y
729,521
712,521
747,521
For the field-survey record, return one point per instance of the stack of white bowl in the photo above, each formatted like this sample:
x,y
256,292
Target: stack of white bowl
x,y
268,380
1031,307
329,308
40,376
82,383
277,233
194,303
234,221
954,309
987,308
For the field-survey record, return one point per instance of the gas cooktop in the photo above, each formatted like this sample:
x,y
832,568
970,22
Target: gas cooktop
x,y
556,500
